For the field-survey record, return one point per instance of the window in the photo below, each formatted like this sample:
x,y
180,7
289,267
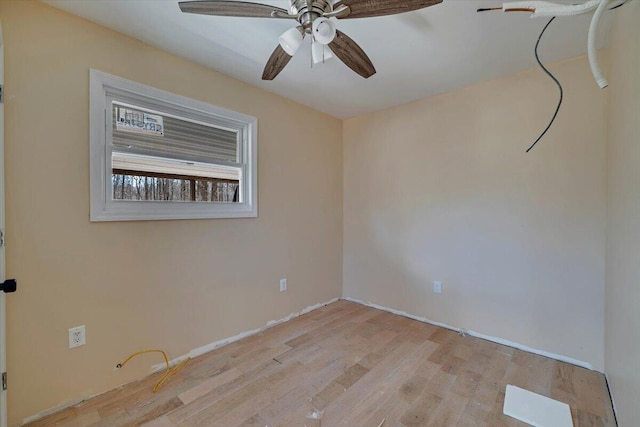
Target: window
x,y
156,155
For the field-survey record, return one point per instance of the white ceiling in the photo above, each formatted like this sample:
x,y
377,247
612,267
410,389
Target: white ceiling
x,y
416,54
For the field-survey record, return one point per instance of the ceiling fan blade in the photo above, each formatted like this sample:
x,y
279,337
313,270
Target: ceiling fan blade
x,y
369,8
352,55
276,63
233,8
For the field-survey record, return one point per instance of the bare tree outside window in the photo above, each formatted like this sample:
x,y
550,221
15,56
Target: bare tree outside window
x,y
131,186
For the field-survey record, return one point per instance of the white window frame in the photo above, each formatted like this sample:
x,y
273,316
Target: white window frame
x,y
103,89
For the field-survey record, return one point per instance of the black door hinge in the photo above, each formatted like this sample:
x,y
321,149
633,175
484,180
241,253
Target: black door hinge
x,y
4,381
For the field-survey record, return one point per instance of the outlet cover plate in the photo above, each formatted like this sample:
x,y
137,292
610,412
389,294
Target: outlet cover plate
x,y
283,285
437,287
77,337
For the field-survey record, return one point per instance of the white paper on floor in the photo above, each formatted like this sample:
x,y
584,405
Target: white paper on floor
x,y
534,409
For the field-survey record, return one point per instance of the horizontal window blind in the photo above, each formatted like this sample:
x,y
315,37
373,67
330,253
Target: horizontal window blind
x,y
170,137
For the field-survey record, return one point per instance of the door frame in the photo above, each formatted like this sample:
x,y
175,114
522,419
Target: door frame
x,y
3,359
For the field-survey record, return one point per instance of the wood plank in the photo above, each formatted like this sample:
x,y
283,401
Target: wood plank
x,y
211,384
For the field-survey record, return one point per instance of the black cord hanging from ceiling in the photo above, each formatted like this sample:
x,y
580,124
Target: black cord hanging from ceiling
x,y
555,114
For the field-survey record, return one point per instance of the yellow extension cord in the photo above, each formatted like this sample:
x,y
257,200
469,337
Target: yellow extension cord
x,y
167,373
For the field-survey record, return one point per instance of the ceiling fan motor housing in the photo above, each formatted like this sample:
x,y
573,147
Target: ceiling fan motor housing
x,y
310,10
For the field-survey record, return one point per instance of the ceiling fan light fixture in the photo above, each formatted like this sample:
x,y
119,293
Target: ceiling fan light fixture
x,y
324,30
291,40
320,52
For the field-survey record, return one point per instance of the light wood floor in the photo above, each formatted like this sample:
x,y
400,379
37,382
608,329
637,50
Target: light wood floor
x,y
355,365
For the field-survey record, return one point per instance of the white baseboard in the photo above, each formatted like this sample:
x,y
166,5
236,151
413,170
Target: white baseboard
x,y
496,340
226,341
193,353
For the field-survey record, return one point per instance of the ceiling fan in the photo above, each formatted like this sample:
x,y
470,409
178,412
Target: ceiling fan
x,y
313,17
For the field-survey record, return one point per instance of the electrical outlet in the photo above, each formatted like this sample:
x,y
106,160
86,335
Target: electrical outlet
x,y
437,287
283,285
77,337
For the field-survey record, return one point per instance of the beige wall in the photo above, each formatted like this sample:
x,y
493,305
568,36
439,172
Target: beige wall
x,y
175,285
441,189
622,343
